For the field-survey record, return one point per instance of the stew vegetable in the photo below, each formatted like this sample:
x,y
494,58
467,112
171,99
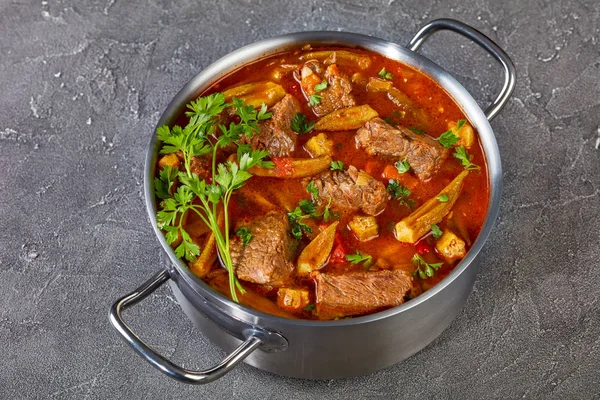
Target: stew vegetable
x,y
322,183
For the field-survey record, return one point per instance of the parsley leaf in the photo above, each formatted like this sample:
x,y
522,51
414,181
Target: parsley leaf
x,y
424,269
244,234
307,206
312,190
309,307
436,231
314,99
402,166
416,130
298,227
319,87
465,158
385,74
460,123
400,193
164,182
443,198
337,166
448,139
301,125
359,257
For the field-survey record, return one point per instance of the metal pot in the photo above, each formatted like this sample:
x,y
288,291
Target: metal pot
x,y
321,349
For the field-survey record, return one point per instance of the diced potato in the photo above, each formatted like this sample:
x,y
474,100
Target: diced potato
x,y
419,222
257,93
292,299
170,160
465,133
379,85
291,168
451,246
346,118
340,57
314,256
365,228
319,145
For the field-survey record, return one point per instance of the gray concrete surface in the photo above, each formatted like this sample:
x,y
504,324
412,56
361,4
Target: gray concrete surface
x,y
82,84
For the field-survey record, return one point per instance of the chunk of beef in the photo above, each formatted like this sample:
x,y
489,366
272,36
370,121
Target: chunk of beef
x,y
424,153
276,133
357,293
350,190
266,259
199,165
338,92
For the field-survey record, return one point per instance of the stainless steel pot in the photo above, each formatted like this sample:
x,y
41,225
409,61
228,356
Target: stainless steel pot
x,y
321,349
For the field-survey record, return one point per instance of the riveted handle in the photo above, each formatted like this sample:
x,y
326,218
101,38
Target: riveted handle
x,y
484,42
252,342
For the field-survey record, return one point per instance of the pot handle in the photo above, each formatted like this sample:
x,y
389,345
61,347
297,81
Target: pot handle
x,y
252,342
483,41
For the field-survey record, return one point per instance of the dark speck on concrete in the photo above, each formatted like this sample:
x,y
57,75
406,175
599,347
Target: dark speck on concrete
x,y
82,85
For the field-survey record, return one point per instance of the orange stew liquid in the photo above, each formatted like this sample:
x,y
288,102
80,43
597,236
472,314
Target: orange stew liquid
x,y
465,218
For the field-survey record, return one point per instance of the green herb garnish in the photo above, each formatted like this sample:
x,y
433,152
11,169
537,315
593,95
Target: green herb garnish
x,y
400,193
244,234
359,257
301,125
385,74
424,269
319,87
436,231
460,123
312,190
337,166
416,130
465,158
448,139
443,198
402,166
194,140
309,307
314,99
298,227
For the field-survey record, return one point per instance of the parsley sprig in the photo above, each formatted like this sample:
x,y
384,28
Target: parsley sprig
x,y
400,193
465,158
301,125
359,257
424,269
385,74
195,140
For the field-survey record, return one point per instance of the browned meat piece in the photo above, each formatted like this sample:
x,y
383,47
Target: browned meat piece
x,y
276,133
350,190
200,166
338,92
424,153
266,259
357,293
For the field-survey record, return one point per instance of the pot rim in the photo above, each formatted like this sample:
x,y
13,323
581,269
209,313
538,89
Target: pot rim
x,y
278,44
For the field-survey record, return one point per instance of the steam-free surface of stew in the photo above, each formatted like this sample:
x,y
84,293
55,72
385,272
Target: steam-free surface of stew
x,y
376,188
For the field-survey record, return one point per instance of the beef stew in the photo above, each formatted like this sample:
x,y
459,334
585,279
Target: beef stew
x,y
368,185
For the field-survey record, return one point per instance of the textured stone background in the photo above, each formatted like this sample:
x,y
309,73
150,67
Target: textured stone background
x,y
82,84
